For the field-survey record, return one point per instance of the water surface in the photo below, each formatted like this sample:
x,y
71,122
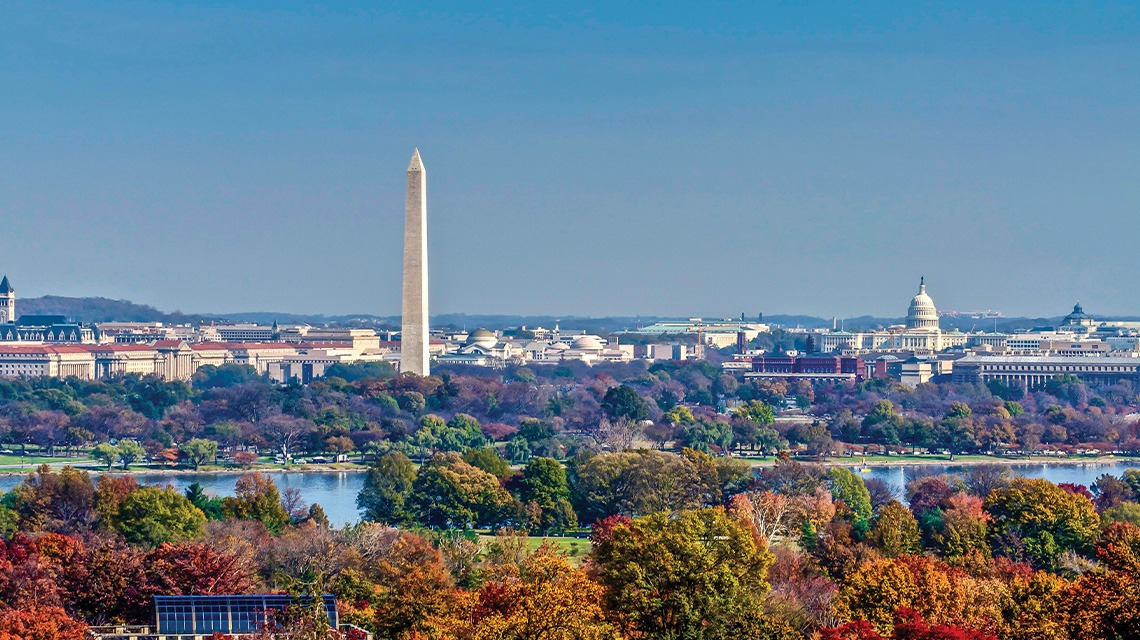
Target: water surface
x,y
336,491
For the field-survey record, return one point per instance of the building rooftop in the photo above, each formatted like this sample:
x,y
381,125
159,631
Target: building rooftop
x,y
988,359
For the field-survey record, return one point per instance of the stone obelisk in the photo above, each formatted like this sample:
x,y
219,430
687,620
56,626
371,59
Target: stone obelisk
x,y
414,321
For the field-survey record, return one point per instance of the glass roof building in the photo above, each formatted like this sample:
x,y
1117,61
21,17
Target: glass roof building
x,y
238,614
199,617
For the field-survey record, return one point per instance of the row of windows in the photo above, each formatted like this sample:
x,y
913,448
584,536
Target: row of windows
x,y
1058,369
204,615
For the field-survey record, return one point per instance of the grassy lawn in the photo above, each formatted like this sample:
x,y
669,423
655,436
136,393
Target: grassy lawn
x,y
31,461
573,547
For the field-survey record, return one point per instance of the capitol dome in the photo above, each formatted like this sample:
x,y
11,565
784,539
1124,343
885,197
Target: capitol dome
x,y
922,314
483,338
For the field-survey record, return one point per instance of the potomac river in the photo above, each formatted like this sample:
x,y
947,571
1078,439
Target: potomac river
x,y
336,490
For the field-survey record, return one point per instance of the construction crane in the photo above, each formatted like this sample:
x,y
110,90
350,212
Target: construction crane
x,y
988,314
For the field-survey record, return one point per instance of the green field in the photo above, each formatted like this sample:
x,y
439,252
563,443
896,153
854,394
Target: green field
x,y
33,461
573,547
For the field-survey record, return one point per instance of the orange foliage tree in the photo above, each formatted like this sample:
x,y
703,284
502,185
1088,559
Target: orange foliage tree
x,y
542,597
1105,603
40,623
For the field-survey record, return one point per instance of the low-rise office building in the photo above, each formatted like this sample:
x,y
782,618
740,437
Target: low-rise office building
x,y
1031,371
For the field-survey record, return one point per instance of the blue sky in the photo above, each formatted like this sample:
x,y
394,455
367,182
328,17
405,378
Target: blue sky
x,y
609,158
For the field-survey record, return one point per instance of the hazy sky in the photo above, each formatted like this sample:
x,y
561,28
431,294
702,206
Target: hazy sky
x,y
617,158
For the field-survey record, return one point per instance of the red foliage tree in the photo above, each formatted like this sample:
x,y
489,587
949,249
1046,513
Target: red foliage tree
x,y
856,630
1077,489
23,581
603,529
909,625
194,568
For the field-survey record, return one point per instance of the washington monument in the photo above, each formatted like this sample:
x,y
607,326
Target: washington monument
x,y
414,320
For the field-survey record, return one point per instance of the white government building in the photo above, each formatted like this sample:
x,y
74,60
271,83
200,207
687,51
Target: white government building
x,y
921,334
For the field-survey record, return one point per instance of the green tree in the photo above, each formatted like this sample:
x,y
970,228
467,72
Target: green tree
x,y
883,424
958,411
129,452
518,450
360,371
624,402
384,496
466,433
544,487
153,515
756,412
1014,408
9,522
105,453
210,505
449,493
849,488
637,483
705,434
534,430
1035,520
489,460
693,575
199,450
678,415
223,376
894,530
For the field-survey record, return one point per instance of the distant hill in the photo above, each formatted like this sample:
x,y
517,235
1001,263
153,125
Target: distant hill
x,y
106,310
103,310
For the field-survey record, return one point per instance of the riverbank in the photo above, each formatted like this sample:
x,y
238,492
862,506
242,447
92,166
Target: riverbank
x,y
882,461
870,461
94,467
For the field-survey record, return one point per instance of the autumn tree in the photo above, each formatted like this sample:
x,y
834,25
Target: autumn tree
x,y
256,498
541,597
768,513
1037,519
694,574
1103,602
412,587
450,493
963,529
894,531
55,500
40,623
195,568
944,595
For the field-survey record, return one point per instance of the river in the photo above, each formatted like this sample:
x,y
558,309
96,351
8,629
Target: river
x,y
336,490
